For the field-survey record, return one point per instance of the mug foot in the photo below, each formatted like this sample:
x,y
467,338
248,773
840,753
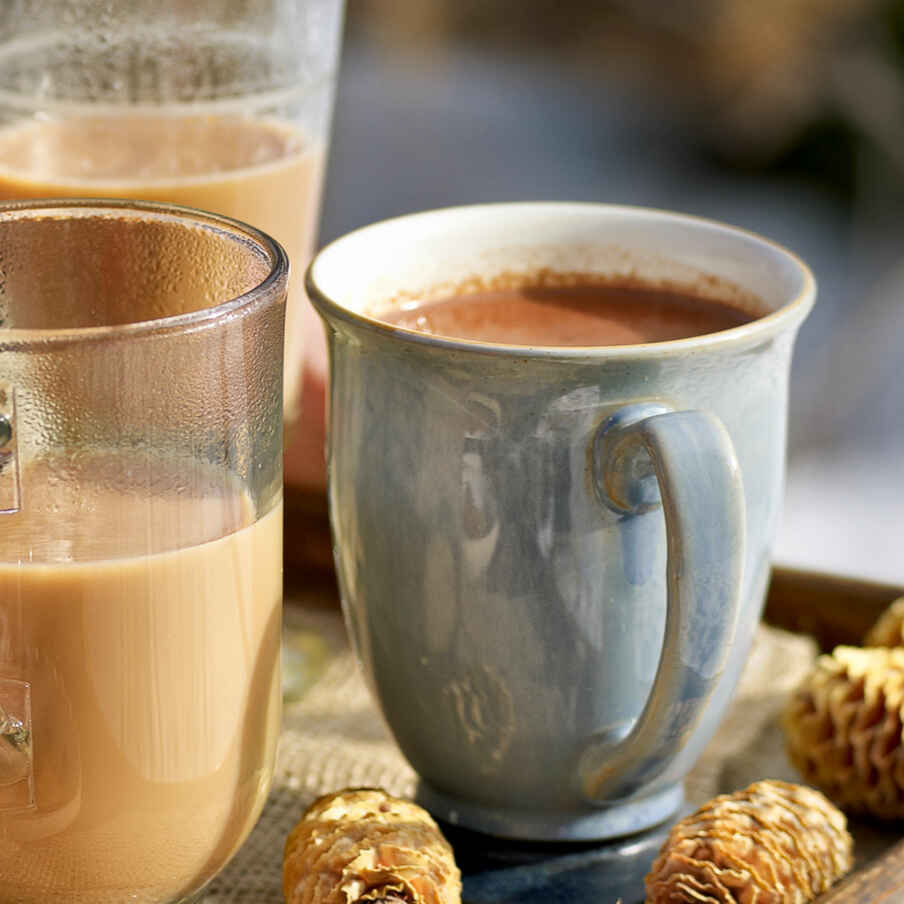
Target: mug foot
x,y
594,823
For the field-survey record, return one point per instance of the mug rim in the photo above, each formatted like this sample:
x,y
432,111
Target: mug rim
x,y
271,288
791,313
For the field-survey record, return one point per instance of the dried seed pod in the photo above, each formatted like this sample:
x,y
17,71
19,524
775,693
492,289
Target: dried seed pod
x,y
843,729
888,631
360,844
773,843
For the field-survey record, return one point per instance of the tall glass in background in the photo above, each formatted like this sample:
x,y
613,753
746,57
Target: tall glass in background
x,y
223,106
140,547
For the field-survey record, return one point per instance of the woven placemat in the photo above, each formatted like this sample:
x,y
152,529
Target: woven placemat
x,y
334,737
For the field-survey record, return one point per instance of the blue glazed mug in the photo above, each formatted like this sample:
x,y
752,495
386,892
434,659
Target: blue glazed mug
x,y
552,560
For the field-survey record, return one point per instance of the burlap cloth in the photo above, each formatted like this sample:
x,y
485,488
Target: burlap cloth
x,y
333,737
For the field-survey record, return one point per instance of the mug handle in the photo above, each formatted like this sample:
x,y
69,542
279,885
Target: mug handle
x,y
645,455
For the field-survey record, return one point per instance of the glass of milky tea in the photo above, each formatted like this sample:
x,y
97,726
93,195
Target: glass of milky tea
x,y
140,546
223,106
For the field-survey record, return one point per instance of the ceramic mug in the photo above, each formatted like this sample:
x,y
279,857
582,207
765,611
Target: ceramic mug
x,y
552,560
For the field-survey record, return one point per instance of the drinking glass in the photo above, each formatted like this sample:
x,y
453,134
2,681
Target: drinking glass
x,y
216,105
140,546
222,106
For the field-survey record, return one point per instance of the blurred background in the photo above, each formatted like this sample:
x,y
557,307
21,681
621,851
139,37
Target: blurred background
x,y
782,116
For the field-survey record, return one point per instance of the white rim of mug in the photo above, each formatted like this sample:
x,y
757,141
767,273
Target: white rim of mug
x,y
272,287
795,309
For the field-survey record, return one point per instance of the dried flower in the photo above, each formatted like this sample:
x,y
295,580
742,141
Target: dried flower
x,y
773,843
361,844
844,733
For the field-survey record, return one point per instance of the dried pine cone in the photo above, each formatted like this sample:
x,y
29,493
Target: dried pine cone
x,y
843,729
360,844
773,843
888,631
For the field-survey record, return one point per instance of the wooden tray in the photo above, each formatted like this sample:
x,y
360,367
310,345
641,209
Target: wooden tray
x,y
830,608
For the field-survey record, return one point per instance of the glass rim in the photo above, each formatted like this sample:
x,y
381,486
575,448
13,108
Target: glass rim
x,y
268,291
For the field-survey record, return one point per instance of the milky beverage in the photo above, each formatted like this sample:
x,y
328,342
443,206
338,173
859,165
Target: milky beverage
x,y
153,679
593,314
262,172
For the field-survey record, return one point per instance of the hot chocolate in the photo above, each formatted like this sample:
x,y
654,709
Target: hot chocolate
x,y
581,315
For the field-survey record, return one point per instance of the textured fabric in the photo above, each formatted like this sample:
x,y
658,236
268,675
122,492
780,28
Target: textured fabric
x,y
334,737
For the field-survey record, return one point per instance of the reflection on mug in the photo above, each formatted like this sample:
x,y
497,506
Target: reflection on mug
x,y
479,460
